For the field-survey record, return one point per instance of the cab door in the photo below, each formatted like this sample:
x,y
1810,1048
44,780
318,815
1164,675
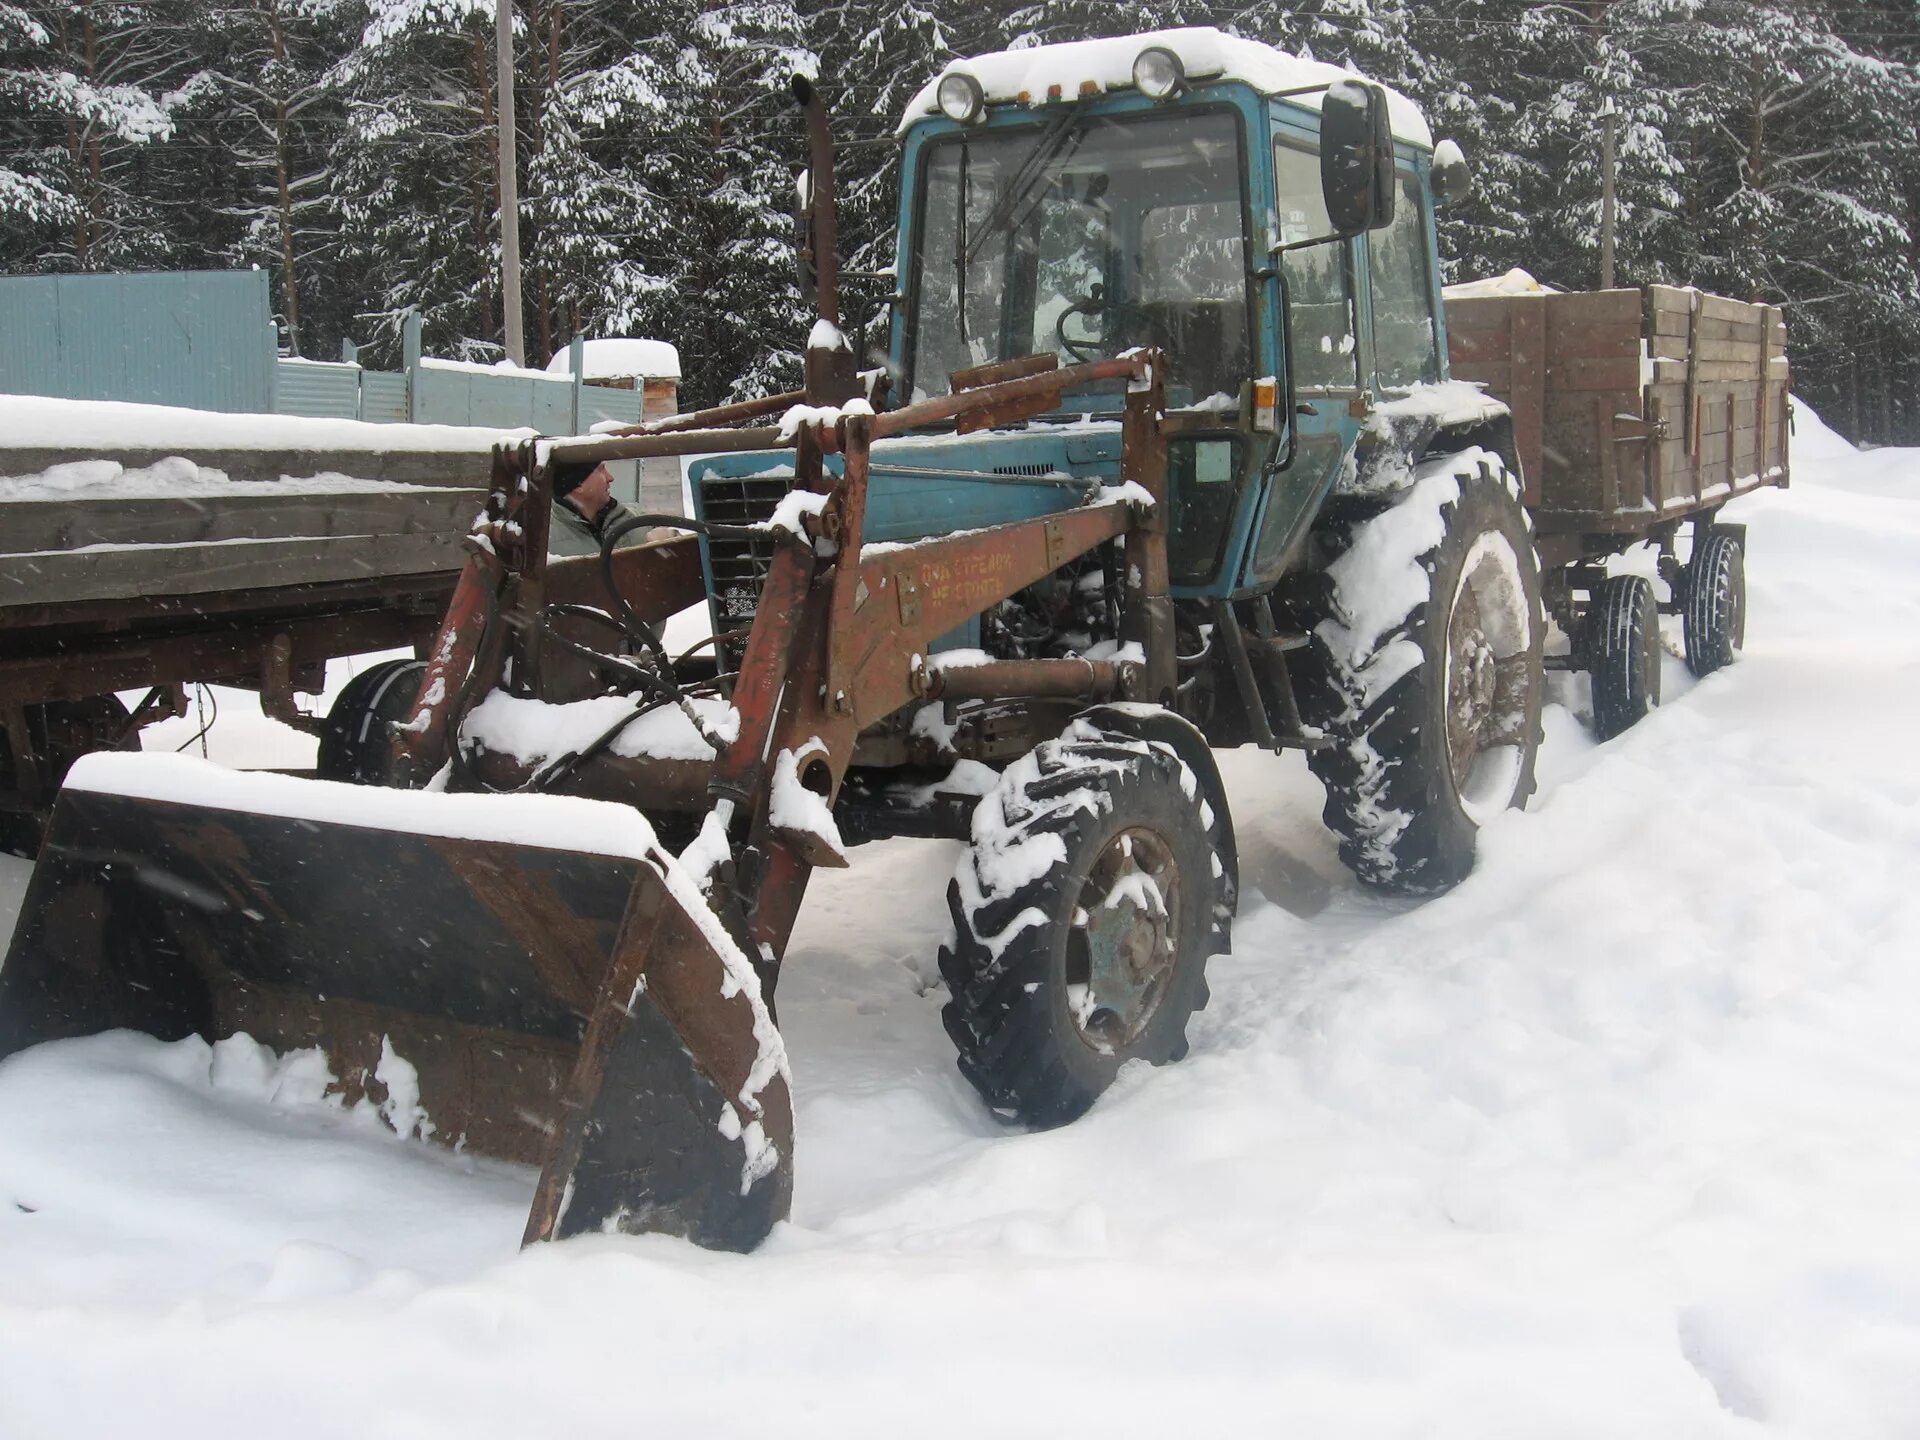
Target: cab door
x,y
1322,327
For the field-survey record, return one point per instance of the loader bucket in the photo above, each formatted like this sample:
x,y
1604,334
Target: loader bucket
x,y
562,989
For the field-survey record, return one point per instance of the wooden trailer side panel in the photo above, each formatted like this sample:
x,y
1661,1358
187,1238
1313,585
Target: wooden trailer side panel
x,y
1649,405
1500,341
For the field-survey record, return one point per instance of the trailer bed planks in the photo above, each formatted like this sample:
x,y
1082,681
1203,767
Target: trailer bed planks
x,y
1631,408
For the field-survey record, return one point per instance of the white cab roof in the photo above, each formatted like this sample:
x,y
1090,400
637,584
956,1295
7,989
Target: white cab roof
x,y
1208,54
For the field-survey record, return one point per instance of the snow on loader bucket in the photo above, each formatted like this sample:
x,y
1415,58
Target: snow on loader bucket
x,y
563,990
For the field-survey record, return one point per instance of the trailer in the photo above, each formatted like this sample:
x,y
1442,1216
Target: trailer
x,y
150,572
1637,415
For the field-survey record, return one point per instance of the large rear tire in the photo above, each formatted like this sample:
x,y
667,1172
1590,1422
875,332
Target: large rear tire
x,y
1084,916
1427,673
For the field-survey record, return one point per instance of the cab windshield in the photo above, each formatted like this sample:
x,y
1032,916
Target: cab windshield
x,y
1085,237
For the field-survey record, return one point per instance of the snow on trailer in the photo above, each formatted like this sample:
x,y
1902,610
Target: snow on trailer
x,y
145,547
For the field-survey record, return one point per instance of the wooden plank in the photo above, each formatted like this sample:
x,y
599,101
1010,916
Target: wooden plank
x,y
1528,396
1478,347
1724,370
1617,373
1666,322
1669,298
1576,308
158,570
1719,307
1601,339
1675,347
67,524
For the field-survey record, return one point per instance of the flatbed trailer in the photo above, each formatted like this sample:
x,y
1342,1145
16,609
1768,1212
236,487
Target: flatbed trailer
x,y
181,579
1637,415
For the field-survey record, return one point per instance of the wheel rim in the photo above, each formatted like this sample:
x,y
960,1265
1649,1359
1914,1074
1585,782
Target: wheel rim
x,y
1489,665
1122,944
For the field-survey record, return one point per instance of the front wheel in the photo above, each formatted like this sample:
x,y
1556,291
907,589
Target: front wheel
x,y
1428,674
1084,915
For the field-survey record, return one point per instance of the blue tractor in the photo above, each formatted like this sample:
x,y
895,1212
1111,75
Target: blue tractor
x,y
1160,455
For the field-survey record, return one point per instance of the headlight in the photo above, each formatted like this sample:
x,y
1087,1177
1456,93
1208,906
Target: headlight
x,y
1158,73
960,97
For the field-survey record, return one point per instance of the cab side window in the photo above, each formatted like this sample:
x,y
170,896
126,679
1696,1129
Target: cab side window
x,y
1404,343
1319,277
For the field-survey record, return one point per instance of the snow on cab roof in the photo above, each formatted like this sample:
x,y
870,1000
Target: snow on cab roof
x,y
619,357
1207,54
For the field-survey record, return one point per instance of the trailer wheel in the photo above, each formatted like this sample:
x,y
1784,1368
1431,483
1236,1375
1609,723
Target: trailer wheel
x,y
356,745
1622,645
1714,616
1084,915
1428,675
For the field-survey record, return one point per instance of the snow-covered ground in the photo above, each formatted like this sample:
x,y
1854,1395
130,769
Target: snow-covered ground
x,y
1622,1138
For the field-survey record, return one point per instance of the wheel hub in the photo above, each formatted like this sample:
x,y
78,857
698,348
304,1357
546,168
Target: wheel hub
x,y
1124,940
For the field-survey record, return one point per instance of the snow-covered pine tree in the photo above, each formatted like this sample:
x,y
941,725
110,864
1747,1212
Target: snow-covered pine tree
x,y
265,102
723,160
86,93
414,182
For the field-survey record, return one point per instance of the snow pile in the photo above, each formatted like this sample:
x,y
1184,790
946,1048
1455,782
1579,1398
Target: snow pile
x,y
822,417
1029,74
1617,1139
1380,580
36,422
548,822
175,478
535,731
795,808
620,357
1515,282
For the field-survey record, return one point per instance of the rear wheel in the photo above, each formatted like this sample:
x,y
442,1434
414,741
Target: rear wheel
x,y
357,744
1714,618
1084,916
1623,653
1428,675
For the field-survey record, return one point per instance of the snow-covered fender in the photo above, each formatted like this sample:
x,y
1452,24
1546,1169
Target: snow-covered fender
x,y
1429,419
1183,737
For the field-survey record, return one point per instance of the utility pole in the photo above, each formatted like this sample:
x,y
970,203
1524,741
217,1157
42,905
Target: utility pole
x,y
1608,116
509,183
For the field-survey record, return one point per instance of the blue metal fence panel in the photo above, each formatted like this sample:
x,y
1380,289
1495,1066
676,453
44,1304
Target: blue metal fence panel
x,y
383,397
447,393
318,387
198,338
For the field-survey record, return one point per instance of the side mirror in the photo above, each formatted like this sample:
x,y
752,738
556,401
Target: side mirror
x,y
1452,180
1356,157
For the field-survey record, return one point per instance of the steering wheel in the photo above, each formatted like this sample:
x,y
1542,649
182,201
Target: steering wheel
x,y
1094,304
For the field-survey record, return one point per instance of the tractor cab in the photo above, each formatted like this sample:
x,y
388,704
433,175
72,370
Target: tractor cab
x,y
1265,220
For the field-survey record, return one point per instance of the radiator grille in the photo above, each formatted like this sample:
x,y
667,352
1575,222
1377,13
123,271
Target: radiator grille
x,y
1031,471
740,566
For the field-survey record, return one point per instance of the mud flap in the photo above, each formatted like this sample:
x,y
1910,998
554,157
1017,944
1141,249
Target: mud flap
x,y
578,1008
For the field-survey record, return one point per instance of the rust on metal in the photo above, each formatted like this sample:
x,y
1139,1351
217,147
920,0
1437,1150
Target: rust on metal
x,y
1068,679
997,371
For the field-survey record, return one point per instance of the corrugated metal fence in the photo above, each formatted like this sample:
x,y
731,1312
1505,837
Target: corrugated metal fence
x,y
206,339
201,338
